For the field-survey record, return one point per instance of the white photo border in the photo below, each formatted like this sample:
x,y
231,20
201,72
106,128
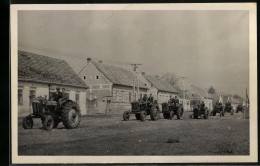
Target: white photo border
x,y
253,155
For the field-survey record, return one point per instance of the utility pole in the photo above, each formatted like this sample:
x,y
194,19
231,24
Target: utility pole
x,y
135,66
184,101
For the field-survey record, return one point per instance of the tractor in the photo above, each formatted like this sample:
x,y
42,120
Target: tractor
x,y
53,112
218,109
228,109
199,111
240,108
169,110
142,109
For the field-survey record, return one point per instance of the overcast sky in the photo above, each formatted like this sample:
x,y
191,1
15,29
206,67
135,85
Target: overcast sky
x,y
209,47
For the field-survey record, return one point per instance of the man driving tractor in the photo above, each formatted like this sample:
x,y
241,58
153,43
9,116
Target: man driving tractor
x,y
171,100
176,102
57,95
150,100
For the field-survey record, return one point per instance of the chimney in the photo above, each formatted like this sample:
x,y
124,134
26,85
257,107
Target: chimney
x,y
88,60
100,61
143,73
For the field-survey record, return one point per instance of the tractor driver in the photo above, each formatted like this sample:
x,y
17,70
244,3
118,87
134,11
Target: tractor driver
x,y
145,98
220,104
57,94
176,101
150,99
202,106
171,100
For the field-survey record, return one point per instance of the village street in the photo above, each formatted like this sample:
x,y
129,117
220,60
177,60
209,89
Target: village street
x,y
110,135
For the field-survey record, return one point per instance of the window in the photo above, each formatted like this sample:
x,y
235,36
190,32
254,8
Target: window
x,y
20,97
77,97
141,95
32,96
97,77
84,77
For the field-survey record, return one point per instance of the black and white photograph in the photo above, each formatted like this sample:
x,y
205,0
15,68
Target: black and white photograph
x,y
134,83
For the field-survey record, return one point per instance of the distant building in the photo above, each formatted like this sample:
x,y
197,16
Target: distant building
x,y
159,88
111,88
38,73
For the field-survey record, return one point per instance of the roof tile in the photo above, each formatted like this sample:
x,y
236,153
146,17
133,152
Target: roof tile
x,y
118,75
160,83
34,67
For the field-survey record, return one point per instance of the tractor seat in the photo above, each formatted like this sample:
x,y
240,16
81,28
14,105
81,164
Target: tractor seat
x,y
54,103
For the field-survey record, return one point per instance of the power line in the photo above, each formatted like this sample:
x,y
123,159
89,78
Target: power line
x,y
40,48
50,50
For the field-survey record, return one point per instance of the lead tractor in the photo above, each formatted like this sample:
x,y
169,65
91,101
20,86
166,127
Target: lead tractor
x,y
52,113
169,110
142,109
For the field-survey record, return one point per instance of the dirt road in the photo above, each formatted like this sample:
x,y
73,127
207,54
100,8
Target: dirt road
x,y
109,135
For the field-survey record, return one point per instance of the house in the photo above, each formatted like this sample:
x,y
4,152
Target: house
x,y
111,88
158,87
196,93
39,75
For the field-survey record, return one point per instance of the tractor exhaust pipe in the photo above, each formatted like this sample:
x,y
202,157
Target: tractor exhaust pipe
x,y
49,91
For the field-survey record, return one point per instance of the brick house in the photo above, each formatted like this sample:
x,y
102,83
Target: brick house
x,y
38,75
111,88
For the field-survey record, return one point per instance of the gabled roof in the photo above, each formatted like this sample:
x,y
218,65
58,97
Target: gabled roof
x,y
118,75
196,92
160,84
39,68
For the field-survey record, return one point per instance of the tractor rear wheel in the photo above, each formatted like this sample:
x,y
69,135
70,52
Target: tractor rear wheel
x,y
48,122
143,115
126,115
206,115
155,113
180,113
27,122
171,114
71,115
232,111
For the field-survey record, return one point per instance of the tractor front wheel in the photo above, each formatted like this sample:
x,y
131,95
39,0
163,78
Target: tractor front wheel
x,y
171,114
143,115
27,122
126,115
155,114
48,122
180,113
